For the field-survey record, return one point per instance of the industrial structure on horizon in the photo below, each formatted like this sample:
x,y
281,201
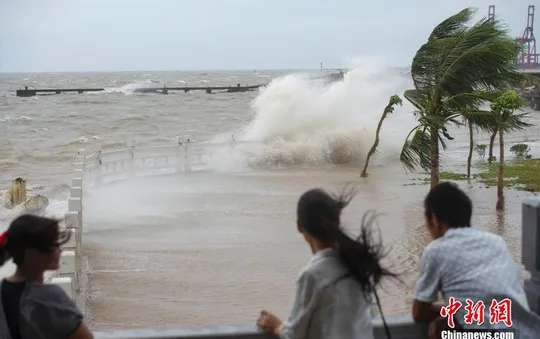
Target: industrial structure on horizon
x,y
528,57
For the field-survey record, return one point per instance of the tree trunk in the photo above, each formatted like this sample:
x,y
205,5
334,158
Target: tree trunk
x,y
500,180
471,148
434,155
376,142
491,141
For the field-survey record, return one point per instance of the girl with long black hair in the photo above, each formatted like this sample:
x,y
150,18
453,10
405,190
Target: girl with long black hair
x,y
29,308
334,290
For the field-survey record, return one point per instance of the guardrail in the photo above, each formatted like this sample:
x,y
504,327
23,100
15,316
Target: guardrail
x,y
401,327
106,166
71,273
110,166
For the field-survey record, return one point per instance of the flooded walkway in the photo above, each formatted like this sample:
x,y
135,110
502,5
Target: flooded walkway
x,y
206,248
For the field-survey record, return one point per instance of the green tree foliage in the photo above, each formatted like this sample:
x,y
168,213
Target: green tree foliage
x,y
457,70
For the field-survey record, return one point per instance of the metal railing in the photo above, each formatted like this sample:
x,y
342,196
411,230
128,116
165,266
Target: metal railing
x,y
401,327
101,167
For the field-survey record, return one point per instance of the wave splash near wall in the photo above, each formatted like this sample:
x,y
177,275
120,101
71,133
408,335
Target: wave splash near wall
x,y
301,121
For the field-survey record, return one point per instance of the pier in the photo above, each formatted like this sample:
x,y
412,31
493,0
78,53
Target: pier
x,y
30,92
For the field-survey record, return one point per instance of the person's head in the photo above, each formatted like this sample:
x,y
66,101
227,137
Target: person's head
x,y
318,219
446,206
33,243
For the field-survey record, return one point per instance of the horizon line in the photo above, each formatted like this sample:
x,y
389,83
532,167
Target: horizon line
x,y
190,71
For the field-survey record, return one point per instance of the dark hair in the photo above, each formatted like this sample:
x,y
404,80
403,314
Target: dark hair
x,y
319,215
30,231
449,204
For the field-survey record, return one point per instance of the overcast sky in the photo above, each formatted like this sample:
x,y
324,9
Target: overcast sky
x,y
117,35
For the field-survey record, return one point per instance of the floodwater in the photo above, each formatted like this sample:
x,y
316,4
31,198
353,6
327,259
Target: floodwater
x,y
205,248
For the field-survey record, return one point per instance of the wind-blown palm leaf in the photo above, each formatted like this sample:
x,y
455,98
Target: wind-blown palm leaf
x,y
416,150
479,58
451,25
483,120
417,99
444,132
466,59
469,101
429,55
515,122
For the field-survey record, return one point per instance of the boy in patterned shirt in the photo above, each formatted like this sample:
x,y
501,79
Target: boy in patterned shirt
x,y
472,269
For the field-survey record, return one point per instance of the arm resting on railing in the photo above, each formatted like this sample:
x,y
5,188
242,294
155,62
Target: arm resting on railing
x,y
401,327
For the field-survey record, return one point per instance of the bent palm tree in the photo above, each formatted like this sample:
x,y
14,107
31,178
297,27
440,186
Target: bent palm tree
x,y
393,101
505,120
453,73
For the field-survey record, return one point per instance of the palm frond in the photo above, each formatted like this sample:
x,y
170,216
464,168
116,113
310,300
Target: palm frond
x,y
417,98
429,55
515,122
468,100
452,24
456,122
416,150
483,120
444,133
480,58
435,120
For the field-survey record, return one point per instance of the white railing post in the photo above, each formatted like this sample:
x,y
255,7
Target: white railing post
x,y
179,155
78,170
80,161
99,170
187,163
76,192
70,270
77,182
70,260
131,147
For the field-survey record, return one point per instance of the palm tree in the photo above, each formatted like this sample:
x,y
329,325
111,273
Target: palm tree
x,y
491,142
479,120
392,102
453,73
505,120
470,125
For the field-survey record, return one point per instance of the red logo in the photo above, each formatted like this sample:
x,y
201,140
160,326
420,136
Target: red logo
x,y
475,312
449,311
499,312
